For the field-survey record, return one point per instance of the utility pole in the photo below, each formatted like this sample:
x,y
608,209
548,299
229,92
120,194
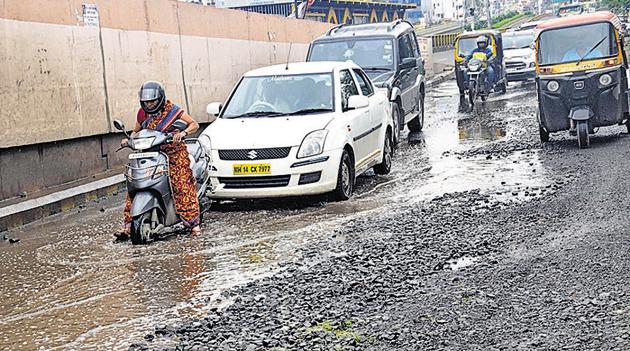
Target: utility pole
x,y
489,13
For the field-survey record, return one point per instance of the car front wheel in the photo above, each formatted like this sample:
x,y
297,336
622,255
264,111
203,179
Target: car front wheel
x,y
345,178
386,166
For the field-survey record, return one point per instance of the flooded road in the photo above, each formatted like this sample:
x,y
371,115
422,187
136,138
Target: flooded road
x,y
67,286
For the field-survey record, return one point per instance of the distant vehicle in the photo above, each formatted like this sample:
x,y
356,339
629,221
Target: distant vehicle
x,y
529,25
519,55
299,129
389,54
582,79
570,10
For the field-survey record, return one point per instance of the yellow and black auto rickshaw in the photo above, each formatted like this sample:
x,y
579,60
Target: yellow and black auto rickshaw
x,y
581,75
465,43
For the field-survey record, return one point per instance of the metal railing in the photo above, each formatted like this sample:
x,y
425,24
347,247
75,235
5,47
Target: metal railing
x,y
443,42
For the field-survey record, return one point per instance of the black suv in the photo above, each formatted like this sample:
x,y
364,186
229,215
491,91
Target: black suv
x,y
389,54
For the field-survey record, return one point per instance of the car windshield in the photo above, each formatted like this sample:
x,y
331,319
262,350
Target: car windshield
x,y
367,53
570,10
466,45
271,96
517,41
572,44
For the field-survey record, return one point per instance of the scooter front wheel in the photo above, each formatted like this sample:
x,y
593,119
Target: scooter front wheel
x,y
141,229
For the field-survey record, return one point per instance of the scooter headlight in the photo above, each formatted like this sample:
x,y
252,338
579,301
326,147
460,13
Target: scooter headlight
x,y
605,79
143,143
474,66
553,86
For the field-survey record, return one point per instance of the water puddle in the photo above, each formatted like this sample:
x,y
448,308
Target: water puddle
x,y
462,262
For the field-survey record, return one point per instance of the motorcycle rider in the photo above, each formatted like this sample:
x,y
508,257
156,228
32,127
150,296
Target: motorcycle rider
x,y
158,113
482,48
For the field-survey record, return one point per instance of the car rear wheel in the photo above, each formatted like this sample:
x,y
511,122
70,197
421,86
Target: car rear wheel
x,y
345,178
386,166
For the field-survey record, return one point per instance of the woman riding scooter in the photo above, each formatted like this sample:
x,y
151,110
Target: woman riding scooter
x,y
158,113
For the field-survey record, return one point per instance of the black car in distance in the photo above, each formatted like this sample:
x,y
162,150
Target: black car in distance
x,y
390,56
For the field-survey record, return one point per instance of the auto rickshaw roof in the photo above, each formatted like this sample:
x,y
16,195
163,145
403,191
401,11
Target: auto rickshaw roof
x,y
570,21
477,33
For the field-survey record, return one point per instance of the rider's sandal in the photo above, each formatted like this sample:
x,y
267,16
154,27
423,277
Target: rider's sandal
x,y
123,235
195,231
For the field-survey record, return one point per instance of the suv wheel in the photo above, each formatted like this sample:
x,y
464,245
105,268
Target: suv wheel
x,y
396,122
416,124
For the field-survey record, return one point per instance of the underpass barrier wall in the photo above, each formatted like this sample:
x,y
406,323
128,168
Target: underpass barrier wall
x,y
444,42
64,82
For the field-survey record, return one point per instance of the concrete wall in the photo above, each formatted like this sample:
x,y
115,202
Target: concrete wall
x,y
63,82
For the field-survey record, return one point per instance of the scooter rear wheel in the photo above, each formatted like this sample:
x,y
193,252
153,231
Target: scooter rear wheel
x,y
141,229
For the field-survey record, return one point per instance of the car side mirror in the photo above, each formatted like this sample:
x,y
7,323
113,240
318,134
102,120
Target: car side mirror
x,y
357,102
214,108
408,63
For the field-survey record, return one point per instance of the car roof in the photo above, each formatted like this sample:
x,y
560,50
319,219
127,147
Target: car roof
x,y
392,29
300,68
600,16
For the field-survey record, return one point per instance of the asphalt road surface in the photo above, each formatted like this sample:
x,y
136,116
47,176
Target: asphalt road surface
x,y
481,238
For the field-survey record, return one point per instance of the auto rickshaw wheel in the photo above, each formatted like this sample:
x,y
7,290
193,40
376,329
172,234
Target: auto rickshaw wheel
x,y
582,134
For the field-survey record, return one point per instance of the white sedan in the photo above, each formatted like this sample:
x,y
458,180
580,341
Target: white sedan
x,y
299,129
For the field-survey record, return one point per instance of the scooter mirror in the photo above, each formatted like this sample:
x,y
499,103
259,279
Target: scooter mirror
x,y
119,125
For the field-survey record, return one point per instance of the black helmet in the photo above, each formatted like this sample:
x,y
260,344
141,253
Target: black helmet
x,y
482,42
152,91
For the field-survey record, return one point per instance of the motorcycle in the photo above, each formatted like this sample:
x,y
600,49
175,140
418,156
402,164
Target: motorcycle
x,y
149,187
477,80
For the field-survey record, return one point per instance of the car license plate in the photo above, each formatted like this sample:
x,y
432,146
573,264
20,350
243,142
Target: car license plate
x,y
251,168
139,155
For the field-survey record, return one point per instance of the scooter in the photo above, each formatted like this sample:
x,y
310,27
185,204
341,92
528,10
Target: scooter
x,y
149,187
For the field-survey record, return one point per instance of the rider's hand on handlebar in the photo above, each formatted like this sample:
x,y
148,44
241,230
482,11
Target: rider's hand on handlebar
x,y
178,137
124,142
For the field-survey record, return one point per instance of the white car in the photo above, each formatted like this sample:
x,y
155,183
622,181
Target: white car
x,y
299,129
520,60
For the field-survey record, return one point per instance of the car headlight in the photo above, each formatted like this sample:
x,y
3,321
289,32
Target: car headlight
x,y
143,143
313,144
553,86
605,79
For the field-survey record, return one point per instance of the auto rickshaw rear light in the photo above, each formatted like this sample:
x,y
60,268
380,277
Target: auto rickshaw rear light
x,y
605,79
553,86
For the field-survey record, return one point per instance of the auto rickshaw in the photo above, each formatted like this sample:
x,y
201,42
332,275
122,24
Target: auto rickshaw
x,y
581,75
465,43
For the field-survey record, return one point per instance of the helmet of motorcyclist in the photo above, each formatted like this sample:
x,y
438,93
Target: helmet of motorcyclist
x,y
482,42
152,97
